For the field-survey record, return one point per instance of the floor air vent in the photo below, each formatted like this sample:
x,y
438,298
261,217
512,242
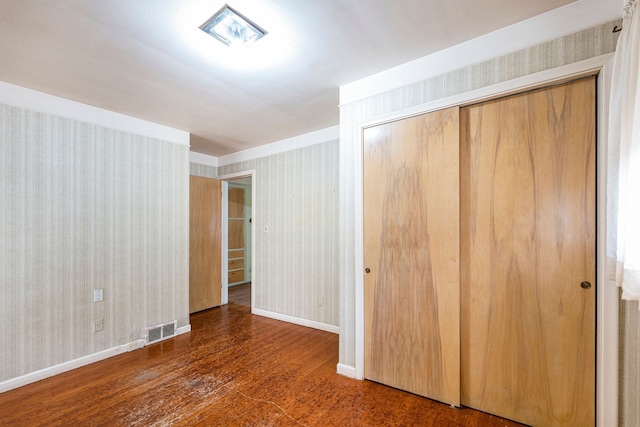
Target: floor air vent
x,y
156,333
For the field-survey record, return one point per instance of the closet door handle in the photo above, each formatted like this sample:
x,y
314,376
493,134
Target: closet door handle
x,y
585,285
367,270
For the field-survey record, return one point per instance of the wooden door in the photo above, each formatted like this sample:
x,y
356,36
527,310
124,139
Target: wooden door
x,y
527,243
205,243
411,248
236,235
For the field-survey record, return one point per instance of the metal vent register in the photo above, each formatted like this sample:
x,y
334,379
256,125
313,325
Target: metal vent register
x,y
156,333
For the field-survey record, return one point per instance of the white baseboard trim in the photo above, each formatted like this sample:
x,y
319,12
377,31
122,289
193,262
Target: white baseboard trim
x,y
183,329
297,320
67,366
346,370
134,345
32,377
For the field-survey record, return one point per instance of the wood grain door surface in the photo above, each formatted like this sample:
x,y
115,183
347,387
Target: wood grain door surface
x,y
527,242
236,218
205,243
235,227
411,247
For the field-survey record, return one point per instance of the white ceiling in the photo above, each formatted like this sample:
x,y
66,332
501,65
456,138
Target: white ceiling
x,y
147,58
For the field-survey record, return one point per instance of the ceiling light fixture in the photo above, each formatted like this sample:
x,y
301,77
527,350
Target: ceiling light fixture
x,y
232,28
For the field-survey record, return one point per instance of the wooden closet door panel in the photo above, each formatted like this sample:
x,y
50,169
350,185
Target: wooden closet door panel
x,y
236,233
411,246
235,239
236,202
205,243
235,224
527,243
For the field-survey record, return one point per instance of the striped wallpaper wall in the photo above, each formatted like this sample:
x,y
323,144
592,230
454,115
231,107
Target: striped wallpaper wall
x,y
84,207
565,50
630,363
206,171
296,270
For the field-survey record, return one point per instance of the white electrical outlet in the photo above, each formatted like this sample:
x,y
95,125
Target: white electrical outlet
x,y
98,325
98,295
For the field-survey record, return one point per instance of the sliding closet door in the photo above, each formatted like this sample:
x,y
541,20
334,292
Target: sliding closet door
x,y
205,243
411,255
528,256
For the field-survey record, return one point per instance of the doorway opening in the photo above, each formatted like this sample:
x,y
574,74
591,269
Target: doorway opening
x,y
238,238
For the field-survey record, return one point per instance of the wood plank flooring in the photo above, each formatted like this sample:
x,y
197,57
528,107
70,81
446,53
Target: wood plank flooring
x,y
233,369
241,294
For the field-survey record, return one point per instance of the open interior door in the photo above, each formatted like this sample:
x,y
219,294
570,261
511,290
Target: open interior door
x,y
205,243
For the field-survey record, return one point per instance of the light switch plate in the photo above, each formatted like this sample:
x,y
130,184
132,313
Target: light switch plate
x,y
97,295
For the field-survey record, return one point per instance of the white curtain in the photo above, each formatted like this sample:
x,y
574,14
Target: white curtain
x,y
624,158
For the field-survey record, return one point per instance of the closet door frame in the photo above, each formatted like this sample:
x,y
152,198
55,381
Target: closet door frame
x,y
607,298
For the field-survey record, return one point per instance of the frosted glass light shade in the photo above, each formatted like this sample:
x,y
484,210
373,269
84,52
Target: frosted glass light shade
x,y
232,28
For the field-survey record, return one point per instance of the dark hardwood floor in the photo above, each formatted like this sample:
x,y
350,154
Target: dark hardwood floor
x,y
233,369
241,294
